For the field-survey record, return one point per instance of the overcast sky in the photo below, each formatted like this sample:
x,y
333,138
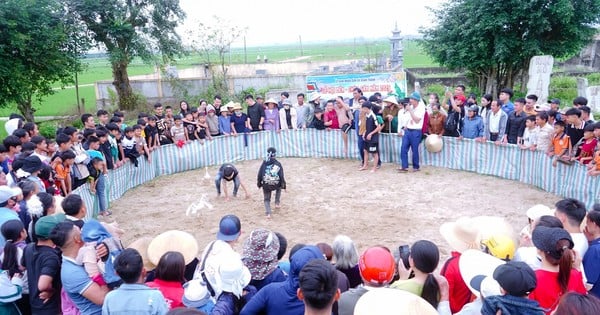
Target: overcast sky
x,y
282,21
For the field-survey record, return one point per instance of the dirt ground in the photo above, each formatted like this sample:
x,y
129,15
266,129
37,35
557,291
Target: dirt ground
x,y
327,197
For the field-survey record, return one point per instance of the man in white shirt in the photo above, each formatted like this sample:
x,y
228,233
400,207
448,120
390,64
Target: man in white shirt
x,y
495,125
413,132
571,212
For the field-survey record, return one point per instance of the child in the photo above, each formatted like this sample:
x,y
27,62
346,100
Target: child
x,y
594,169
151,132
191,126
13,147
94,233
114,138
225,121
587,147
128,144
41,148
180,136
561,144
140,143
143,122
95,168
529,140
270,178
15,234
62,170
317,121
203,132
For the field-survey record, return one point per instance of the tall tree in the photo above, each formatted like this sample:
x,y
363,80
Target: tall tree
x,y
494,40
129,29
36,51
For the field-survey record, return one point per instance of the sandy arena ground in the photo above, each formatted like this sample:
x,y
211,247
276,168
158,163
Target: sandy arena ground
x,y
326,197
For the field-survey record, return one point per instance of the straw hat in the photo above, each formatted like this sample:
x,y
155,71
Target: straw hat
x,y
313,96
383,300
490,226
433,143
176,241
391,99
474,263
237,106
461,235
271,100
141,245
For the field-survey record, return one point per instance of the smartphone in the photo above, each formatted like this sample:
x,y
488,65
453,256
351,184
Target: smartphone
x,y
402,249
404,254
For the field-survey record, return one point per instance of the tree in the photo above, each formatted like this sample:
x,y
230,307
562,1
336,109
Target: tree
x,y
129,29
494,40
216,37
36,51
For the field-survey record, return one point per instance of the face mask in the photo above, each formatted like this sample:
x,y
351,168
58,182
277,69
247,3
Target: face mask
x,y
238,113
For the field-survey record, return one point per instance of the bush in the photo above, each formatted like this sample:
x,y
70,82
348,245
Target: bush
x,y
563,88
47,129
436,88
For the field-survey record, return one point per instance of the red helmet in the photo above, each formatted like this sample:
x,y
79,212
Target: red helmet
x,y
377,265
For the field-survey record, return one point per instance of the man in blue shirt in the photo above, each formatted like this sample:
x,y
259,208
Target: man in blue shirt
x,y
505,95
133,296
87,293
472,124
591,259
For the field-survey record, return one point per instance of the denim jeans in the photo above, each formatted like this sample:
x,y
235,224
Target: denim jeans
x,y
236,183
411,140
101,193
267,194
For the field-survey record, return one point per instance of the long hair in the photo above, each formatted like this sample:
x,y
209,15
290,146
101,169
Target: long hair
x,y
574,303
564,263
171,267
11,230
345,253
426,257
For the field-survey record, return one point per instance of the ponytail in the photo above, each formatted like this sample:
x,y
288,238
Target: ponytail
x,y
431,291
565,264
10,261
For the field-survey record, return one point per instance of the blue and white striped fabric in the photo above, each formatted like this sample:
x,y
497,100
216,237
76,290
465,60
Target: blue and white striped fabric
x,y
508,162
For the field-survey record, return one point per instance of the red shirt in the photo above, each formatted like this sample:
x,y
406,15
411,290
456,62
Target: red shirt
x,y
547,291
172,291
332,116
459,292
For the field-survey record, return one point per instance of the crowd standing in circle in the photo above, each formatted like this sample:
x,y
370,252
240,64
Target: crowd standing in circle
x,y
53,261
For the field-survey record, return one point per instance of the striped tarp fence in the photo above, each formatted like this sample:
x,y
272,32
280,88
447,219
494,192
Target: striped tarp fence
x,y
508,162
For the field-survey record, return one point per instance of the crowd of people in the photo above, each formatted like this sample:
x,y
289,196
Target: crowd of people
x,y
53,261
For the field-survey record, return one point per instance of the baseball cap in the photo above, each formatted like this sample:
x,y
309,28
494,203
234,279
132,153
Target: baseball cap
x,y
8,192
473,108
554,101
229,228
460,97
546,239
45,224
415,96
516,278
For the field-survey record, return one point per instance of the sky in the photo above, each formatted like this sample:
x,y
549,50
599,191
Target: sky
x,y
272,22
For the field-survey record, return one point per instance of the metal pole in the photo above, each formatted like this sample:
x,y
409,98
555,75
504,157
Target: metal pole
x,y
301,51
77,93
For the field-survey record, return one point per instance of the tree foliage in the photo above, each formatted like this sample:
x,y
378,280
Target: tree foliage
x,y
128,29
494,40
36,50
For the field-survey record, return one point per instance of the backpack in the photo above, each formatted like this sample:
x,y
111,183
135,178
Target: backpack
x,y
452,121
271,175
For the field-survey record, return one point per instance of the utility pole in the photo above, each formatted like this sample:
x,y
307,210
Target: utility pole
x,y
245,54
77,93
301,51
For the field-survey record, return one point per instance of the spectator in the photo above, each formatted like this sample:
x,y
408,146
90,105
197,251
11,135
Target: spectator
x,y
413,133
454,105
282,97
515,125
314,101
556,276
94,233
477,269
217,101
486,103
530,104
495,125
191,125
437,120
555,106
381,301
580,101
561,145
591,259
504,97
331,117
345,256
528,253
424,258
239,121
281,298
271,178
235,289
169,276
516,281
32,166
302,111
32,129
586,115
23,135
271,116
587,147
577,304
461,235
571,213
288,118
196,296
74,209
87,294
318,287
260,256
133,296
318,121
574,126
179,133
256,114
41,148
225,122
283,265
15,234
8,198
530,134
390,115
545,132
377,267
472,125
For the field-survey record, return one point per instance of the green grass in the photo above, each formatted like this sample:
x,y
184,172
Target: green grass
x,y
64,101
